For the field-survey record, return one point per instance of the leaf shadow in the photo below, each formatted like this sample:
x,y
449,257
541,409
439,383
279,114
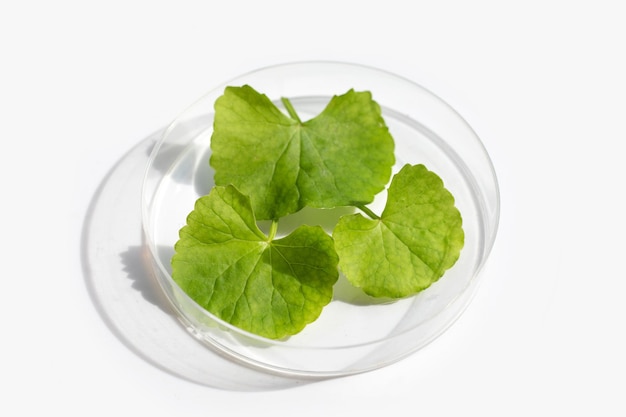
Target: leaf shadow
x,y
136,265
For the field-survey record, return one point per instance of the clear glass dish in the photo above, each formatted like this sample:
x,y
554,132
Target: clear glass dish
x,y
355,333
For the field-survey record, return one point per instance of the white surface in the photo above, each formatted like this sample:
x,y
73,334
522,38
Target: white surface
x,y
543,85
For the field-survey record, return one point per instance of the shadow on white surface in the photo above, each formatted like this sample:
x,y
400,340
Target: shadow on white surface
x,y
128,298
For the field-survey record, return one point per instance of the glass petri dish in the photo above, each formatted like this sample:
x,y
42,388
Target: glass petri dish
x,y
355,333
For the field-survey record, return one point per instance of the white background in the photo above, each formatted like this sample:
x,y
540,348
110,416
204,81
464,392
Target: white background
x,y
543,83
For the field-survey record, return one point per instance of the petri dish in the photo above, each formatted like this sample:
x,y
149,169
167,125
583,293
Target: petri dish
x,y
355,333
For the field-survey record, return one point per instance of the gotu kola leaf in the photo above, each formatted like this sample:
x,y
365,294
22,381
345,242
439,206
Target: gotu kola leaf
x,y
272,288
341,157
417,238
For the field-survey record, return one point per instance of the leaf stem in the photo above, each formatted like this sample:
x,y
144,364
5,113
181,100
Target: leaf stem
x,y
367,211
273,229
290,109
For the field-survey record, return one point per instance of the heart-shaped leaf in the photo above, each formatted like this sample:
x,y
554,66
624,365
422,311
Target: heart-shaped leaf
x,y
341,157
224,262
417,238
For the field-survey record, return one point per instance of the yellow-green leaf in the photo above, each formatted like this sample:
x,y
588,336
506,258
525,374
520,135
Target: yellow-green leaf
x,y
341,157
272,288
416,239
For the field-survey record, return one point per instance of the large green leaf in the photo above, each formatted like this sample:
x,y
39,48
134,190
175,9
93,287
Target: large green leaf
x,y
224,262
341,157
417,238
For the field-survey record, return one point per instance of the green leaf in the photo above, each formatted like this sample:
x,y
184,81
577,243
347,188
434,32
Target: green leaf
x,y
417,238
341,157
272,288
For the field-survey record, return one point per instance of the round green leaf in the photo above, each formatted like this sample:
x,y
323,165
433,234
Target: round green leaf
x,y
272,288
417,238
341,157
